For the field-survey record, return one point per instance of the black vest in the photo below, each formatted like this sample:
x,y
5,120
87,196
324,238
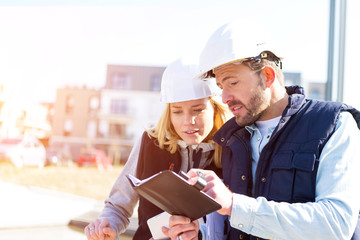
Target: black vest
x,y
152,160
288,164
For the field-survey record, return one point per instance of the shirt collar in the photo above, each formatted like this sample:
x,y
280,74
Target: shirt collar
x,y
204,146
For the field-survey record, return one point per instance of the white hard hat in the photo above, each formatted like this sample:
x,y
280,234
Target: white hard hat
x,y
179,84
235,41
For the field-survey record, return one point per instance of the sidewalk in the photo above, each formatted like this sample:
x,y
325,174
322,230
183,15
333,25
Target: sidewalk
x,y
31,208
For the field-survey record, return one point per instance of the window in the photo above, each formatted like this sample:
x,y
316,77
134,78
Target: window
x,y
103,128
120,81
315,94
68,126
91,129
94,104
118,130
69,104
155,83
119,106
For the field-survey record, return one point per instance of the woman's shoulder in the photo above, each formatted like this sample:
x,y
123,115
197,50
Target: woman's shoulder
x,y
147,137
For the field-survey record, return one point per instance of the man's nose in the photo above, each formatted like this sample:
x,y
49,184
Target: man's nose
x,y
226,97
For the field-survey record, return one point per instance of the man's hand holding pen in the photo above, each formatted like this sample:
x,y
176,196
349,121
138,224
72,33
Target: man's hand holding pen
x,y
215,188
181,227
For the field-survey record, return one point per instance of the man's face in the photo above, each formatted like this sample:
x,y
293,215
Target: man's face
x,y
244,91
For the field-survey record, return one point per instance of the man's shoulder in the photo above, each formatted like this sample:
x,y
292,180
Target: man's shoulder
x,y
323,107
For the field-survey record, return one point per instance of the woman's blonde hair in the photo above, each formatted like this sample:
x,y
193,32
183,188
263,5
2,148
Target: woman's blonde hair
x,y
167,137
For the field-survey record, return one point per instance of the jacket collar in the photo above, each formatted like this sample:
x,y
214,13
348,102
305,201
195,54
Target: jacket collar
x,y
296,100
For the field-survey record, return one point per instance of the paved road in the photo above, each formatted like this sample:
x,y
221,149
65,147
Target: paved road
x,y
38,214
42,233
46,233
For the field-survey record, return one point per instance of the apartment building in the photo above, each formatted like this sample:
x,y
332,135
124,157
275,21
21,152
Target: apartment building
x,y
111,118
130,102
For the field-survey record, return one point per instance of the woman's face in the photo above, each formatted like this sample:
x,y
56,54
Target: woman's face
x,y
192,120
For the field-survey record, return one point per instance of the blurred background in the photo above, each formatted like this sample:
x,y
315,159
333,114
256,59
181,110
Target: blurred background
x,y
80,79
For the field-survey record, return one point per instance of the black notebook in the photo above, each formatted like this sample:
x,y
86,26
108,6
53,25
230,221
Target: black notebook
x,y
172,193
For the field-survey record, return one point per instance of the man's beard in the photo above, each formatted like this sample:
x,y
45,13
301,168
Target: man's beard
x,y
257,106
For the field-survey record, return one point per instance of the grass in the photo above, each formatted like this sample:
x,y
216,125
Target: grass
x,y
87,181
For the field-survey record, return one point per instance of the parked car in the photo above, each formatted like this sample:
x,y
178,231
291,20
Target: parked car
x,y
5,145
94,157
23,151
58,157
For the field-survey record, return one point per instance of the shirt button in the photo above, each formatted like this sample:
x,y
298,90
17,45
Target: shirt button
x,y
241,236
241,225
263,179
282,120
259,139
222,139
243,177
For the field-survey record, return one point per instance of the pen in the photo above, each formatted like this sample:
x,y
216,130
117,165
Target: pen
x,y
201,182
200,174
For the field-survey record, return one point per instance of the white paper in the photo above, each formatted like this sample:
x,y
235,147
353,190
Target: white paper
x,y
155,223
136,182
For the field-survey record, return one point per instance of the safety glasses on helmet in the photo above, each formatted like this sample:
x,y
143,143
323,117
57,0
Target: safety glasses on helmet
x,y
263,55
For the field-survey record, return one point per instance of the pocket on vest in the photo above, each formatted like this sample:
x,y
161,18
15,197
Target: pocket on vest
x,y
292,177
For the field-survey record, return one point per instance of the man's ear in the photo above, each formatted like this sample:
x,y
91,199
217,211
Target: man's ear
x,y
269,73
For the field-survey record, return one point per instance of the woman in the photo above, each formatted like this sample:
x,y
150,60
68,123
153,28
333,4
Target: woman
x,y
182,139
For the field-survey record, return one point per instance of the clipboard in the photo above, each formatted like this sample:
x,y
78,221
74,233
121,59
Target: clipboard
x,y
174,194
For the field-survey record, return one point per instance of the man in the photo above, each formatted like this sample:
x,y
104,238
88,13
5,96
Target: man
x,y
290,164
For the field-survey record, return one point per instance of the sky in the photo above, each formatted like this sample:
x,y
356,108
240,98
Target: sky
x,y
45,45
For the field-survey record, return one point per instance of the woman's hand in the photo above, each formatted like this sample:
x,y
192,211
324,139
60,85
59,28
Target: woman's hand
x,y
100,229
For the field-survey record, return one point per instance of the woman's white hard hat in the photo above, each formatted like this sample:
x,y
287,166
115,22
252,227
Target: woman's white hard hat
x,y
234,41
179,82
